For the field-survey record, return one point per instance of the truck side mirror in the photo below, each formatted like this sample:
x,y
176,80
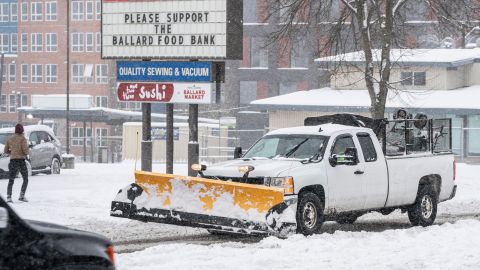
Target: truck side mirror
x,y
333,160
3,218
350,157
237,153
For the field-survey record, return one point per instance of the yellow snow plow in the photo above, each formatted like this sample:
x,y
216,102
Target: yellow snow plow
x,y
207,203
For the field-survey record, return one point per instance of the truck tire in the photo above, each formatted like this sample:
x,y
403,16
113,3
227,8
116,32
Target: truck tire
x,y
346,218
309,214
424,211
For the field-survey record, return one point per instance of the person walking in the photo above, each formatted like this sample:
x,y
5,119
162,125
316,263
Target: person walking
x,y
17,147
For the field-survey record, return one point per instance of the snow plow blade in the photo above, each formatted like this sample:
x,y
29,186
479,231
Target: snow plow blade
x,y
206,203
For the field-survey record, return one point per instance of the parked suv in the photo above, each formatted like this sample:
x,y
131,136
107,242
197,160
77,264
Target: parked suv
x,y
27,244
45,155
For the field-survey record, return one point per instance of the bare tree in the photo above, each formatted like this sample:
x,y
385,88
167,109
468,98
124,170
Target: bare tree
x,y
457,18
373,27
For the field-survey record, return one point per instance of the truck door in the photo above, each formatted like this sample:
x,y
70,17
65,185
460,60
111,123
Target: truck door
x,y
345,179
375,175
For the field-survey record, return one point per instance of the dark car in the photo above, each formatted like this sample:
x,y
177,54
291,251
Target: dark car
x,y
28,244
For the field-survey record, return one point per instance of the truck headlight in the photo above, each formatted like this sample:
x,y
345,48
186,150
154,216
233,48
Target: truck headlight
x,y
199,167
285,182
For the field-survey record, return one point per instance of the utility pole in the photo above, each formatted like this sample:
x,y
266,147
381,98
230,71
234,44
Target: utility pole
x,y
147,137
193,148
67,111
169,141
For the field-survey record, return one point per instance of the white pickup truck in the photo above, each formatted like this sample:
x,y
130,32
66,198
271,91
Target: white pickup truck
x,y
342,171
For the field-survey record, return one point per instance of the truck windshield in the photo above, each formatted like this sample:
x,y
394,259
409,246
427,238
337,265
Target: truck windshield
x,y
288,146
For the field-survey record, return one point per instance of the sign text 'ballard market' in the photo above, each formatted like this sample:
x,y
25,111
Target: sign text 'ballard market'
x,y
168,29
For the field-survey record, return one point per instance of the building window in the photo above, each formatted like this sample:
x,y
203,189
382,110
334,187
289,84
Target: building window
x,y
249,11
89,10
4,73
78,136
4,43
51,73
37,43
413,78
101,133
298,59
287,88
13,12
36,11
248,91
12,103
258,53
51,42
24,11
51,11
77,73
12,73
4,12
98,42
101,73
89,42
24,68
14,42
23,100
37,74
77,42
98,8
77,10
102,101
3,103
88,73
131,106
24,46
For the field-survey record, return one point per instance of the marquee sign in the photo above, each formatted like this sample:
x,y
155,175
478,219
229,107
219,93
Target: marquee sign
x,y
172,29
189,93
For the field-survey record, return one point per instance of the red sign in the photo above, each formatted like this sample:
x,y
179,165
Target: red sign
x,y
187,93
146,92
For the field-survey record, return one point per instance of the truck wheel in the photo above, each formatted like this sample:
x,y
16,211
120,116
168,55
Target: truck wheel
x,y
346,218
309,214
424,211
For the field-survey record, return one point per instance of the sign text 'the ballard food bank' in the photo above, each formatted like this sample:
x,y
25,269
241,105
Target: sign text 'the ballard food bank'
x,y
165,29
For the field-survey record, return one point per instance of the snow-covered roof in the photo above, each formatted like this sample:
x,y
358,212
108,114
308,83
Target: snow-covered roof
x,y
103,114
326,130
417,57
163,124
326,99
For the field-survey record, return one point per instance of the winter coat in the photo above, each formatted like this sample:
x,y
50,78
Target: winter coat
x,y
17,147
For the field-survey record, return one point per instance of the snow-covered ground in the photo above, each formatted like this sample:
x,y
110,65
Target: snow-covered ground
x,y
80,198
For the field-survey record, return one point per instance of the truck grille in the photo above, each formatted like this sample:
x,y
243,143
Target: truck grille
x,y
249,180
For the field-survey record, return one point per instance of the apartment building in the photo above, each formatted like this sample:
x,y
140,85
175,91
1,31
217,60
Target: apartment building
x,y
34,40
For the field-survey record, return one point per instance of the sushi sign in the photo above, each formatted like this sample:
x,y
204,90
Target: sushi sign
x,y
188,93
172,29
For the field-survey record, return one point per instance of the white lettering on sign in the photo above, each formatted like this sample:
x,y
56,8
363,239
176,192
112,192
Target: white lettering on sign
x,y
164,29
